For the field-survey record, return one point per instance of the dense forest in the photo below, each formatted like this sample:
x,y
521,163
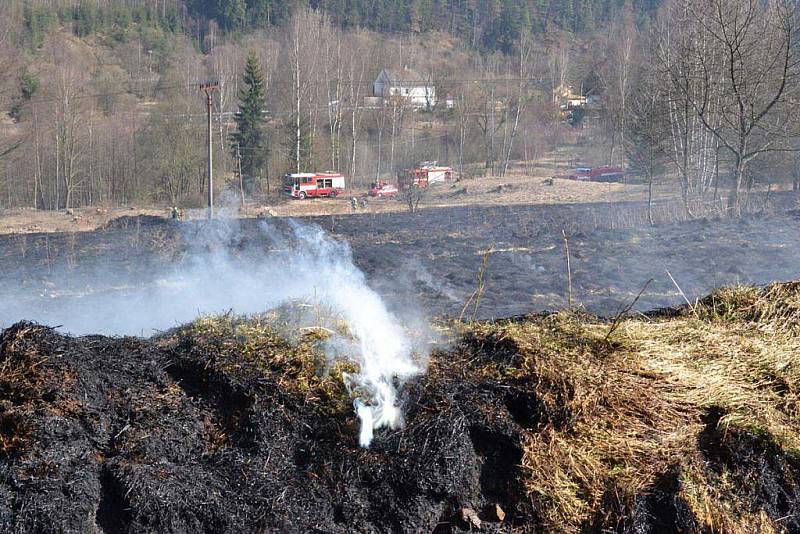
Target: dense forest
x,y
485,24
101,102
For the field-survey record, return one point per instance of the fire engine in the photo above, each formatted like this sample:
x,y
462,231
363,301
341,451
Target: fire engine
x,y
424,174
307,184
607,173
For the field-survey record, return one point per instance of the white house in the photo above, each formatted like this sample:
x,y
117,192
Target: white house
x,y
406,85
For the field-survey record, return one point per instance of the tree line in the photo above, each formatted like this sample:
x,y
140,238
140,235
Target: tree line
x,y
698,97
488,25
713,98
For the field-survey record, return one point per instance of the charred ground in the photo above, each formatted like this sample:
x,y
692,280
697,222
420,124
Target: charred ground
x,y
684,420
681,421
430,258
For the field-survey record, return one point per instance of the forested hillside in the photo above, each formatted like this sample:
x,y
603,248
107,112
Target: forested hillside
x,y
485,24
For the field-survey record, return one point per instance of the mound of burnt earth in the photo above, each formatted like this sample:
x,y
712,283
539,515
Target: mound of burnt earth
x,y
139,221
564,423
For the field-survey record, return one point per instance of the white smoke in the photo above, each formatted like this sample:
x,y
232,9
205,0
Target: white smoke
x,y
223,271
384,352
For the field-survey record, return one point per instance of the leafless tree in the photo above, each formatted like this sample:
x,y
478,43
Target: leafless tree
x,y
356,71
558,62
617,74
646,145
331,46
525,55
412,195
748,65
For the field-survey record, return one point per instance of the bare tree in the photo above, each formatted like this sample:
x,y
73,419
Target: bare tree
x,y
489,124
748,48
356,71
646,143
617,74
334,76
462,115
68,82
692,152
525,53
397,121
558,62
412,195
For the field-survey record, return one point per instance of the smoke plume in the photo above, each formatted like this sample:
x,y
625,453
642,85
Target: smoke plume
x,y
222,271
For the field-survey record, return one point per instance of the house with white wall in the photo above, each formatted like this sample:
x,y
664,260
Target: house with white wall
x,y
405,85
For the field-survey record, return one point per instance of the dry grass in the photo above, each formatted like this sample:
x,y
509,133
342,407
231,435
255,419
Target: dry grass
x,y
659,397
21,384
619,415
266,348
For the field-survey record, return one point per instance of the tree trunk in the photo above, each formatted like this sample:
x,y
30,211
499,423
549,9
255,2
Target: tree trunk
x,y
734,200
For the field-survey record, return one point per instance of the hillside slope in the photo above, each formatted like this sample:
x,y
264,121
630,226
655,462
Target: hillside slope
x,y
681,420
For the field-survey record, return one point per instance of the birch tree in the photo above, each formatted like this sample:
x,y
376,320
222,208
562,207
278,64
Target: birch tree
x,y
749,48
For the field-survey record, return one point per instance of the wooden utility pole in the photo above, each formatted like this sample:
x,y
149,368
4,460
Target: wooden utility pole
x,y
208,89
241,178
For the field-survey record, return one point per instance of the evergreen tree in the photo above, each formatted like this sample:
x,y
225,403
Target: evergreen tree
x,y
235,14
251,136
29,84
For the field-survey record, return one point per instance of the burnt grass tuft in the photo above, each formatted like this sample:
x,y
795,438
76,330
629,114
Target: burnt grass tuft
x,y
683,422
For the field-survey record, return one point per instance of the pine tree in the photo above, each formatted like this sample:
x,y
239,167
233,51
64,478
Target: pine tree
x,y
235,14
251,136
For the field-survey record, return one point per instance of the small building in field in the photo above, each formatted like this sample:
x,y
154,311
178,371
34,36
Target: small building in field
x,y
405,85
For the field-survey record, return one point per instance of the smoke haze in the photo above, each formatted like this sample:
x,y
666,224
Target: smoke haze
x,y
222,272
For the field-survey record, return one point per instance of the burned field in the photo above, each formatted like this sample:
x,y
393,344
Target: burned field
x,y
681,420
431,260
685,421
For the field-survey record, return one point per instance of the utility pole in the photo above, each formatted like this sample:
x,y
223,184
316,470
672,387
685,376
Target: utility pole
x,y
208,89
297,95
241,178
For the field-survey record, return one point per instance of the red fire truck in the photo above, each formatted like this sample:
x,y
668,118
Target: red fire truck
x,y
424,174
307,184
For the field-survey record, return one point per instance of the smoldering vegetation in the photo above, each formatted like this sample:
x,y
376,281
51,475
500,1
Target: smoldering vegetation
x,y
685,421
217,270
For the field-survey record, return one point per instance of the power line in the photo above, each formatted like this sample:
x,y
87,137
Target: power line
x,y
189,85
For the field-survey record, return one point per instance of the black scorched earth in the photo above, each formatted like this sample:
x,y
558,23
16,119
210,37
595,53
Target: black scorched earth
x,y
685,420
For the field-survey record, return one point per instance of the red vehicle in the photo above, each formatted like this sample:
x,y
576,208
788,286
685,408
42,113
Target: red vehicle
x,y
382,189
605,173
424,174
305,185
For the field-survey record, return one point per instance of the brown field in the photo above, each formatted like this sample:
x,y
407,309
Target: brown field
x,y
516,189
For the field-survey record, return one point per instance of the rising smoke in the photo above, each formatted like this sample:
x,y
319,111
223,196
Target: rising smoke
x,y
223,271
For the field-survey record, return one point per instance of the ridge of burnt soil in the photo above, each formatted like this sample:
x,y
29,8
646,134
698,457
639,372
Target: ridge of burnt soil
x,y
224,425
122,435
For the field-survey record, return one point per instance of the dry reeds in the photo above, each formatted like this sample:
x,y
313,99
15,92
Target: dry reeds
x,y
266,348
672,397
